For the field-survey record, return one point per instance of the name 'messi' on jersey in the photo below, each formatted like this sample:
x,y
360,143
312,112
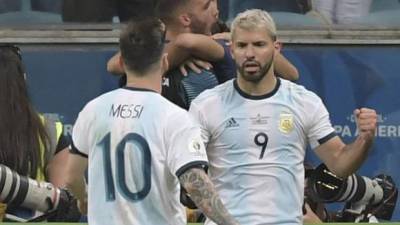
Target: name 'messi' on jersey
x,y
126,111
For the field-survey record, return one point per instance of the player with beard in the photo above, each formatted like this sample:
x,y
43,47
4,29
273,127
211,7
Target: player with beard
x,y
180,16
256,129
137,163
189,25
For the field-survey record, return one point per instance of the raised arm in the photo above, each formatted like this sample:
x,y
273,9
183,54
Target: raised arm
x,y
193,45
285,69
184,46
343,159
200,46
204,195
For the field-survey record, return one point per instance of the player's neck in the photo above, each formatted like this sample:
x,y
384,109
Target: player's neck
x,y
151,81
174,30
265,86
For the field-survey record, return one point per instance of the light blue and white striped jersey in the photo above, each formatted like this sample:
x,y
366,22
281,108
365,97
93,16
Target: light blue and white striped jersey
x,y
137,143
256,148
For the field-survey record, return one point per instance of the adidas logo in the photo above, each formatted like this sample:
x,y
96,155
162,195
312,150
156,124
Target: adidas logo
x,y
165,82
231,123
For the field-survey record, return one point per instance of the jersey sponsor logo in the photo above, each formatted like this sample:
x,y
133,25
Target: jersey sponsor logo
x,y
231,123
259,120
286,123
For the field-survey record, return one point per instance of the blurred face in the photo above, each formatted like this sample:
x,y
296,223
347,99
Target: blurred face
x,y
203,16
253,51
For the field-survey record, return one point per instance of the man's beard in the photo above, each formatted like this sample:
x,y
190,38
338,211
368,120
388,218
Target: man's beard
x,y
199,27
255,77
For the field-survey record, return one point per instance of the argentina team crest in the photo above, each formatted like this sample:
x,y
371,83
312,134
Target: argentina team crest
x,y
286,123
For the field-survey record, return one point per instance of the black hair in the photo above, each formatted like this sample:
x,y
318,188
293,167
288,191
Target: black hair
x,y
142,43
23,137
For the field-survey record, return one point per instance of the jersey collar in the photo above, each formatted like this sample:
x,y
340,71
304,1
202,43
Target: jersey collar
x,y
138,89
257,97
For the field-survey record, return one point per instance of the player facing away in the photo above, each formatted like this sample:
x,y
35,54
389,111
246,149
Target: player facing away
x,y
256,129
139,147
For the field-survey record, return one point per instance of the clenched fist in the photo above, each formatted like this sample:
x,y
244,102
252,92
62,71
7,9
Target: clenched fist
x,y
366,120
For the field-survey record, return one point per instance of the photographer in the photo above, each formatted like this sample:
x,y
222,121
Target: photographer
x,y
366,200
31,144
24,195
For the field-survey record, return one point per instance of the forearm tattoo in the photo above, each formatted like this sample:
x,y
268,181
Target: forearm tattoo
x,y
204,195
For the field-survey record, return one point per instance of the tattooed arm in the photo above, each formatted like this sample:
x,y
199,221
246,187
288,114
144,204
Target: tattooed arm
x,y
204,195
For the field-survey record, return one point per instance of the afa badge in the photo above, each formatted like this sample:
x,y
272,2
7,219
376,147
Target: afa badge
x,y
286,123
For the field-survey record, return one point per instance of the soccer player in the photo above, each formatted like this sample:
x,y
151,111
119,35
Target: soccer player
x,y
189,26
139,146
256,129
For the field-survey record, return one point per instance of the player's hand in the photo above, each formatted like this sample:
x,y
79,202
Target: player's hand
x,y
113,65
310,217
222,36
196,65
366,120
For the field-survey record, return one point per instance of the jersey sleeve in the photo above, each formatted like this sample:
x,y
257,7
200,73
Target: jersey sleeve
x,y
63,141
80,131
225,69
320,129
199,119
185,148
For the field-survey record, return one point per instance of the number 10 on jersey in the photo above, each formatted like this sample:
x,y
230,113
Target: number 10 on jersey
x,y
141,145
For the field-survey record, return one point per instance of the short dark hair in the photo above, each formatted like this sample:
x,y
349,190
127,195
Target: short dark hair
x,y
166,9
142,43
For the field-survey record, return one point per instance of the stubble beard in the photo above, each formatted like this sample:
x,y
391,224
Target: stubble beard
x,y
257,76
199,27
